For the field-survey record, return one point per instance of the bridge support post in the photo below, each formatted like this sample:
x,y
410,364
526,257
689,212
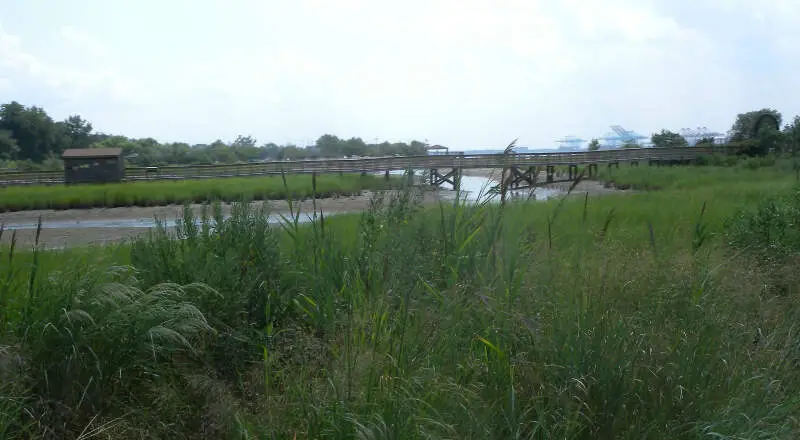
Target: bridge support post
x,y
409,174
634,163
551,171
521,179
386,175
453,177
572,172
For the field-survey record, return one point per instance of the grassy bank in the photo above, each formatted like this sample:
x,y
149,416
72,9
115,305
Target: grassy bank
x,y
653,315
18,198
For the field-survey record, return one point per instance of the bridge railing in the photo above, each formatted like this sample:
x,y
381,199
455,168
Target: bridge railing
x,y
377,164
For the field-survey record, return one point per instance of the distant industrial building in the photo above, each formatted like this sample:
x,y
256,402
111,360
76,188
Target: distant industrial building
x,y
619,136
570,143
694,135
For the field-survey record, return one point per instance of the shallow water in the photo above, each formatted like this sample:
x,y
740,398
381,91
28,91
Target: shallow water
x,y
473,188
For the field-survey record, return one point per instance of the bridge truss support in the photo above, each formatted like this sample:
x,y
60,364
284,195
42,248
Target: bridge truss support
x,y
453,177
521,178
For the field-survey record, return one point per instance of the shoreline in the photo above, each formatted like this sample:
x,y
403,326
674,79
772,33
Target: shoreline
x,y
71,236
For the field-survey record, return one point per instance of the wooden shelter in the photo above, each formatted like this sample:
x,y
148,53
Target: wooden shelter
x,y
93,165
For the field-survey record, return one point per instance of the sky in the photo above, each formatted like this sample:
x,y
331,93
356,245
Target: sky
x,y
461,73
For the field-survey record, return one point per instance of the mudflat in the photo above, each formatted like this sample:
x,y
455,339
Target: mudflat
x,y
56,235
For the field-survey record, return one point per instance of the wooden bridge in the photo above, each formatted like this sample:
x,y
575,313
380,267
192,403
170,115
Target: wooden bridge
x,y
522,169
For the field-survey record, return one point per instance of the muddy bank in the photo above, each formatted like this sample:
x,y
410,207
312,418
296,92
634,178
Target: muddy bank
x,y
81,227
76,227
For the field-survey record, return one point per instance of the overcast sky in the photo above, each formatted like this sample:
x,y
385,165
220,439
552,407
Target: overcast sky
x,y
460,73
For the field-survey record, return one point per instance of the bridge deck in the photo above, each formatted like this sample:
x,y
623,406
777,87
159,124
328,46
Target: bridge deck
x,y
372,164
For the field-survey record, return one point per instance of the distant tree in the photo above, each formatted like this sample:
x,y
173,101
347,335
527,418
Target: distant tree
x,y
705,141
329,145
29,138
791,136
630,145
8,145
244,141
666,139
75,133
31,127
745,125
594,145
354,147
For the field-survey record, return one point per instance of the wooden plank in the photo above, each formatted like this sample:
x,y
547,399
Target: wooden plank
x,y
381,164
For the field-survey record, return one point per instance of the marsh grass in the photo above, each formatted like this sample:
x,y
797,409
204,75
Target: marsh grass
x,y
155,193
581,318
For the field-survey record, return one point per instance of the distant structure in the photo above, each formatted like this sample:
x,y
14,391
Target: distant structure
x,y
620,136
570,143
435,150
692,136
93,165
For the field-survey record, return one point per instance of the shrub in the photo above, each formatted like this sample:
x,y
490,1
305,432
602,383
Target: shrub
x,y
771,230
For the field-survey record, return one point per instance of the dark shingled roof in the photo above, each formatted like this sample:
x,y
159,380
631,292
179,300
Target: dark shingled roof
x,y
91,152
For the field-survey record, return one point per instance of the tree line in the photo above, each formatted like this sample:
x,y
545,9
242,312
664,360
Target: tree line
x,y
751,132
31,139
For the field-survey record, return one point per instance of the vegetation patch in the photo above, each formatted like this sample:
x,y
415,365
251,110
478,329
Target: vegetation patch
x,y
155,193
632,316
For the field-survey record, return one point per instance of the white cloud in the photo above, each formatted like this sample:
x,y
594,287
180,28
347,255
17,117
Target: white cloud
x,y
84,42
76,81
5,85
459,72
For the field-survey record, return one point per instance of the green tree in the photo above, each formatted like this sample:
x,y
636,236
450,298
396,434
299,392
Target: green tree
x,y
791,136
8,145
594,145
630,145
667,139
244,141
354,147
31,127
705,141
76,133
329,145
745,125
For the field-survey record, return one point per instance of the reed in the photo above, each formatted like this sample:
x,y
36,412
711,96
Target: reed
x,y
154,193
648,315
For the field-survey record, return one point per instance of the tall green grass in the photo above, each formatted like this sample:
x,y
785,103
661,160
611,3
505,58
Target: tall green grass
x,y
583,318
18,198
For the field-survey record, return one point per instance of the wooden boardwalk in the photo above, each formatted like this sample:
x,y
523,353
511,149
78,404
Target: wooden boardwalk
x,y
520,164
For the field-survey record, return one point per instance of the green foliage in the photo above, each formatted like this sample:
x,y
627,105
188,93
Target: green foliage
x,y
771,229
757,133
705,141
620,316
155,193
791,136
745,125
668,139
28,136
594,145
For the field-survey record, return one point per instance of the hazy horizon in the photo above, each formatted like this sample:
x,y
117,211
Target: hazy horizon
x,y
463,74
